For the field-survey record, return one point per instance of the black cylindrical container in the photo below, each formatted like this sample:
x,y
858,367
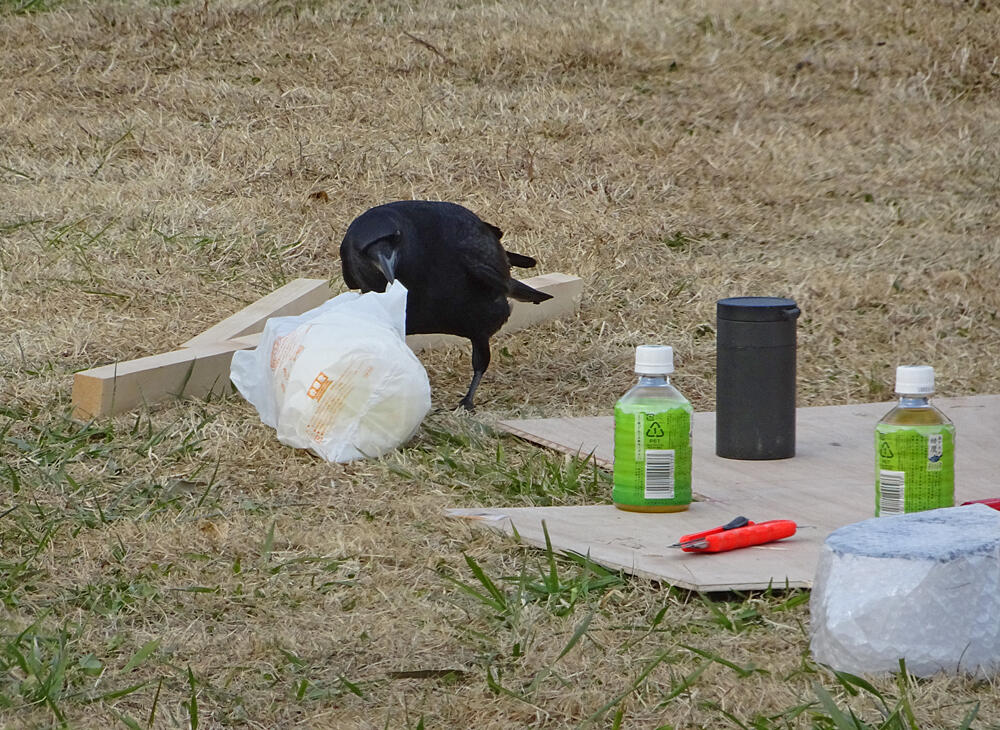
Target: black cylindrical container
x,y
755,378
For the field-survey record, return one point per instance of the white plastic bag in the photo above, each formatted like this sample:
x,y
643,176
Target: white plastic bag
x,y
338,380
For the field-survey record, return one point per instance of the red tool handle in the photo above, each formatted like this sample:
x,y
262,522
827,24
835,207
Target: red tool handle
x,y
755,534
993,502
738,524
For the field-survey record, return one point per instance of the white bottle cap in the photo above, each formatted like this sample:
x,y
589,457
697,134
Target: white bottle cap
x,y
654,359
914,380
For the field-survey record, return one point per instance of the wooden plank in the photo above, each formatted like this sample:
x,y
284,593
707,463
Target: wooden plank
x,y
119,387
294,297
829,483
566,291
116,388
420,343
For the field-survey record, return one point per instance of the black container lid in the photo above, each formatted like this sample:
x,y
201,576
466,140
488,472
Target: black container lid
x,y
757,309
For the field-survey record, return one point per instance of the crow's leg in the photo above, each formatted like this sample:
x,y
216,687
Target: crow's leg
x,y
480,361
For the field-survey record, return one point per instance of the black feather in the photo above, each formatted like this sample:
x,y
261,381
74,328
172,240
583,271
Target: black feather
x,y
452,264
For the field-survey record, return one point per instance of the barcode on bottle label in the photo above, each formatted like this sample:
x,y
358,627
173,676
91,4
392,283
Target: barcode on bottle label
x,y
659,474
892,492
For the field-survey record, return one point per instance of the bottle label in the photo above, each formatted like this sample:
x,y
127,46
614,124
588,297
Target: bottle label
x,y
916,468
652,457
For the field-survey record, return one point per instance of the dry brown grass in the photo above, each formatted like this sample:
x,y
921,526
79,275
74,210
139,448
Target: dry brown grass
x,y
157,162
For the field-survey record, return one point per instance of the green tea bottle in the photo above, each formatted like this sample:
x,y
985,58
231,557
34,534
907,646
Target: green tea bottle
x,y
653,438
914,449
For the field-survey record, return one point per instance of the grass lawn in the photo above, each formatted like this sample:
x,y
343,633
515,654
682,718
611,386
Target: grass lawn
x,y
176,566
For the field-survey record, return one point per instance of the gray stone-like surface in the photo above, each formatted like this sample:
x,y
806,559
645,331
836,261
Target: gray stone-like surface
x,y
924,587
938,534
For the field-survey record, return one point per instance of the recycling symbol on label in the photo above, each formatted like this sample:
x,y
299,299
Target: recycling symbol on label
x,y
654,430
885,451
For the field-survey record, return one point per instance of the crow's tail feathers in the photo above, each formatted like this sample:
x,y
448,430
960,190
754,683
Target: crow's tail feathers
x,y
524,293
520,260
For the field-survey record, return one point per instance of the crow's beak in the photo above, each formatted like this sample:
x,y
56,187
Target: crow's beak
x,y
385,256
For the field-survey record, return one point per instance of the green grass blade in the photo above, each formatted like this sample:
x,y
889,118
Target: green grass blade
x,y
514,533
850,681
657,660
839,718
142,655
737,721
192,704
485,580
156,702
970,716
116,693
711,656
577,635
127,721
552,579
351,687
902,680
686,683
498,606
616,722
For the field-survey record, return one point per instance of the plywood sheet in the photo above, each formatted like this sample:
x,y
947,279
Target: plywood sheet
x,y
829,483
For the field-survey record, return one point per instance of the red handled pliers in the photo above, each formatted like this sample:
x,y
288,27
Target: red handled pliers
x,y
739,533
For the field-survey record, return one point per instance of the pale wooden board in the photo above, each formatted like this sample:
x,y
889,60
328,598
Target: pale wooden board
x,y
566,292
201,367
119,387
295,297
829,483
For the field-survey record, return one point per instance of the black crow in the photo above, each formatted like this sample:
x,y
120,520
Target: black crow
x,y
452,264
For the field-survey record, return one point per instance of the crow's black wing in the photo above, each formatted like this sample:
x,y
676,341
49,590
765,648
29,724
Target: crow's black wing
x,y
484,259
348,266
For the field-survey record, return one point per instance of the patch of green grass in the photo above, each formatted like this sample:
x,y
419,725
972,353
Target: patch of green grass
x,y
678,241
121,595
549,480
86,467
20,575
477,462
312,679
48,668
635,685
34,667
53,443
539,582
22,7
732,616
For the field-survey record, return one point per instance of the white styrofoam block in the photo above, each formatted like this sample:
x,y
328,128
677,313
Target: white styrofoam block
x,y
924,587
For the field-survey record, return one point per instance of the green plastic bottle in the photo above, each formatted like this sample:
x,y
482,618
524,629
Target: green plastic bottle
x,y
914,449
652,470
